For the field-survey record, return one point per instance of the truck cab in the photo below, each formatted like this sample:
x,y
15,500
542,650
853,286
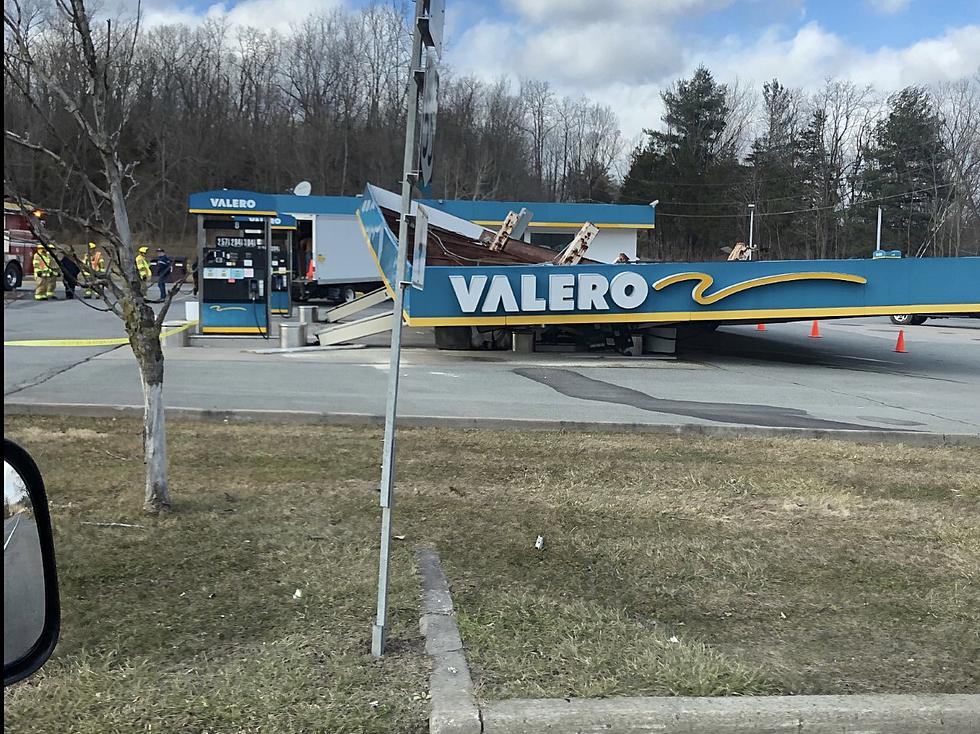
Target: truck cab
x,y
18,244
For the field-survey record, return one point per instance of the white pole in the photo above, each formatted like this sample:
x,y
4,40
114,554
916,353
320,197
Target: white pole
x,y
878,238
394,364
751,229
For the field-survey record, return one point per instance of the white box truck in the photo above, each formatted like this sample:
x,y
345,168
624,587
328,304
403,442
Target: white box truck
x,y
329,237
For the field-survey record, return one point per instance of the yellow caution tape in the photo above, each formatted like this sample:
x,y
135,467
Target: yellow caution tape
x,y
118,341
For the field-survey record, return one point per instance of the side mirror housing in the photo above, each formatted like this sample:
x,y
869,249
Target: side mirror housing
x,y
31,609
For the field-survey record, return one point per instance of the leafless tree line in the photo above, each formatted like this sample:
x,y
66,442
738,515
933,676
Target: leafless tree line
x,y
217,106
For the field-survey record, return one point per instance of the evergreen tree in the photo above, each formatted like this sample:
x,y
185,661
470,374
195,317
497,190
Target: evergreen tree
x,y
816,179
590,182
688,162
907,167
773,178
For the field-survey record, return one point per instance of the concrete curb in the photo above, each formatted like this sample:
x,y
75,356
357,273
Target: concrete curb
x,y
454,709
307,417
884,714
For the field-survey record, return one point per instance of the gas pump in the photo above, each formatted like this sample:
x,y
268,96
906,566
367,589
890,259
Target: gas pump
x,y
233,238
281,264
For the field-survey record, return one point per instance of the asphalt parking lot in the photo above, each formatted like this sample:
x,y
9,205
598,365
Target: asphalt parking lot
x,y
851,378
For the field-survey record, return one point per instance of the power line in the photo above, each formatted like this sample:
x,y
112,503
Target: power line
x,y
745,167
802,211
863,183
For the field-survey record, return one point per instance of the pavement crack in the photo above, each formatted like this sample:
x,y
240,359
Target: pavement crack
x,y
882,403
54,373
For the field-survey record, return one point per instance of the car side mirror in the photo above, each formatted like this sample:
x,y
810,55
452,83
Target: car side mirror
x,y
31,612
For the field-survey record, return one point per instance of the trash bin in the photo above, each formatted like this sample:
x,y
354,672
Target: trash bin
x,y
179,338
292,334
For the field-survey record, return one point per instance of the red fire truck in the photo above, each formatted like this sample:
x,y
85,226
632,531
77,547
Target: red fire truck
x,y
18,244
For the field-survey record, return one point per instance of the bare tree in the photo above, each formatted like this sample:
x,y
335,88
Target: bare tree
x,y
91,87
959,108
538,102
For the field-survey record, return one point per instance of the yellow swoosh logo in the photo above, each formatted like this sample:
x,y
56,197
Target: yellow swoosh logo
x,y
705,281
219,309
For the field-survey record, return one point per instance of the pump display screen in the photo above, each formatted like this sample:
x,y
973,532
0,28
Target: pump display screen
x,y
234,264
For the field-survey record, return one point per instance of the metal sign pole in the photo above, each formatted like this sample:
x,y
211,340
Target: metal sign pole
x,y
878,236
388,462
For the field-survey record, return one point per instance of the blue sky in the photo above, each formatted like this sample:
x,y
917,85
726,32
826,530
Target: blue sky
x,y
624,52
860,22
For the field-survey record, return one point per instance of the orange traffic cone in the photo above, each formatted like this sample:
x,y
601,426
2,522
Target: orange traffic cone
x,y
310,271
760,327
815,331
900,344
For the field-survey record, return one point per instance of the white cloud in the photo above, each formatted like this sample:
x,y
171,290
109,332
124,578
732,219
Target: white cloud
x,y
275,14
581,58
890,7
272,13
566,12
813,54
620,53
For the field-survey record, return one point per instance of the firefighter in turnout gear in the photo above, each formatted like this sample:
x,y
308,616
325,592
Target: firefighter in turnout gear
x,y
45,274
143,267
95,262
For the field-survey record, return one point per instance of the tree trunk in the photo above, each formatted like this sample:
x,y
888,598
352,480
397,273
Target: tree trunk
x,y
144,336
156,497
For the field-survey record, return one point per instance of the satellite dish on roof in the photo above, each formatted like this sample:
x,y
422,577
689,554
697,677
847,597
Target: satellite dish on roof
x,y
303,188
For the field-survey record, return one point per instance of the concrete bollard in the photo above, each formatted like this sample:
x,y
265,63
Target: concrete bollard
x,y
178,339
522,342
307,314
660,340
292,334
192,312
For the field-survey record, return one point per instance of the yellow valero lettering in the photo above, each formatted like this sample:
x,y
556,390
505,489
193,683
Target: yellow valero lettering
x,y
705,281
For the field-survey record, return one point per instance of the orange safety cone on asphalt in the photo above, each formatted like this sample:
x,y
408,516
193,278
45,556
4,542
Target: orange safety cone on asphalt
x,y
760,327
900,344
815,330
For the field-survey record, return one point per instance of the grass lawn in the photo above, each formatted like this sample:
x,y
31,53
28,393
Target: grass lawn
x,y
189,624
670,565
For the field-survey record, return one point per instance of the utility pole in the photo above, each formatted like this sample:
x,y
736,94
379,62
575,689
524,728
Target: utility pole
x,y
751,230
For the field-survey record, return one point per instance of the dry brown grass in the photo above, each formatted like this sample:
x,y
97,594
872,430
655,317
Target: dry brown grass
x,y
671,565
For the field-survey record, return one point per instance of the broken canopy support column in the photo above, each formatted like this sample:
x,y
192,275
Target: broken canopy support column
x,y
346,310
576,249
513,228
499,241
